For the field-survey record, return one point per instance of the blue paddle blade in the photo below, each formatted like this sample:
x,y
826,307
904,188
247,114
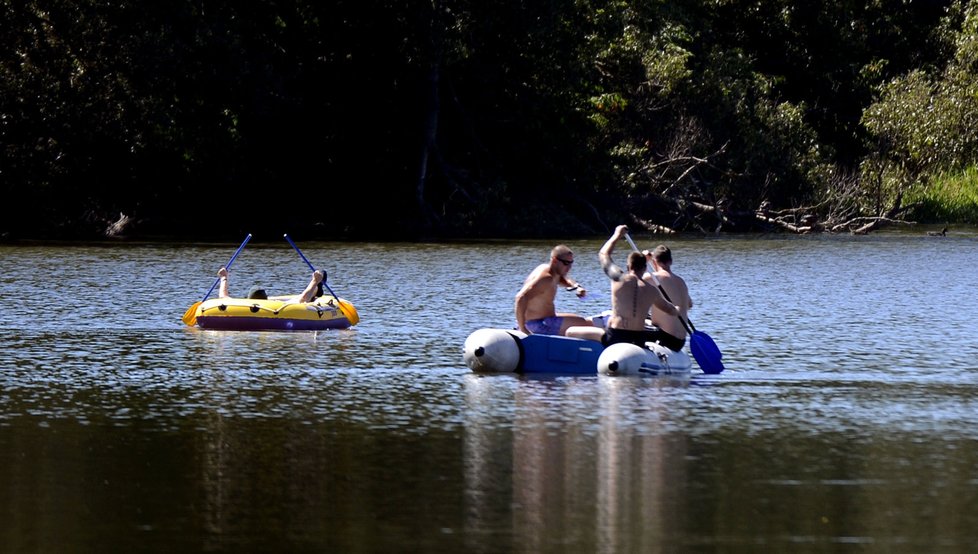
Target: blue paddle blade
x,y
706,353
708,344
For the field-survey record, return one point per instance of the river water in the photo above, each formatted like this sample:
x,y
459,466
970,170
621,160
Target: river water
x,y
847,418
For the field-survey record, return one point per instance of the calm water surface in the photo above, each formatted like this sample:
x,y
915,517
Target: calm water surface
x,y
847,419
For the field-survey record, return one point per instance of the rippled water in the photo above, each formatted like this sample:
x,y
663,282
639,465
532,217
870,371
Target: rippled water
x,y
847,417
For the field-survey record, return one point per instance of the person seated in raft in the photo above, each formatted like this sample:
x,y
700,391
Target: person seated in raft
x,y
671,331
631,299
312,291
535,310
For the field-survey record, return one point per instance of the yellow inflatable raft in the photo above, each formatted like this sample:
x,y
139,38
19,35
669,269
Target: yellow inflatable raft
x,y
276,313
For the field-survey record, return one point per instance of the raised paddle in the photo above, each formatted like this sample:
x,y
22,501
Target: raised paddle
x,y
704,349
348,310
190,316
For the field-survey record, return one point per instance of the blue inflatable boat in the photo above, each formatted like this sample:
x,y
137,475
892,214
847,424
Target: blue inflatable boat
x,y
506,351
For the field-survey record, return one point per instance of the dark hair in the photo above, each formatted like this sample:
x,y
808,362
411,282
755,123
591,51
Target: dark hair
x,y
662,254
257,293
637,262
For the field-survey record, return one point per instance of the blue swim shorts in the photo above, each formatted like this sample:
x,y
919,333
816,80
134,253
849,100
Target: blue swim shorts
x,y
546,326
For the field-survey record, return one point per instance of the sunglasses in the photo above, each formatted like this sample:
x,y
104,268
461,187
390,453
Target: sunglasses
x,y
565,262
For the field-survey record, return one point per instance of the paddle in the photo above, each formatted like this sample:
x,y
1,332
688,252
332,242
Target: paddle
x,y
705,350
348,310
190,316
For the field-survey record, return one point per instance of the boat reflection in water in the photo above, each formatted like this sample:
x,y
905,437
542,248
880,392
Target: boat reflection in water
x,y
609,481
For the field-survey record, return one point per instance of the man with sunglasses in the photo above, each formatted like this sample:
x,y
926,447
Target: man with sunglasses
x,y
535,309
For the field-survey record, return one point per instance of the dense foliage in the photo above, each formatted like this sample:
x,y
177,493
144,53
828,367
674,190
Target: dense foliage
x,y
460,118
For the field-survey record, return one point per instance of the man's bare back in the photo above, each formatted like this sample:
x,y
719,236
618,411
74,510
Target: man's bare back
x,y
631,299
678,294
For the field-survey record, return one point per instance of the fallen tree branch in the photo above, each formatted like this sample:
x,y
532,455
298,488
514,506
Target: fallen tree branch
x,y
654,228
783,224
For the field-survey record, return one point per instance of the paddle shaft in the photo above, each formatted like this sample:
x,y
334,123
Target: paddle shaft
x,y
228,266
312,267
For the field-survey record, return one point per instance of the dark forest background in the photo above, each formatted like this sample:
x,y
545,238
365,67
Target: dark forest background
x,y
451,119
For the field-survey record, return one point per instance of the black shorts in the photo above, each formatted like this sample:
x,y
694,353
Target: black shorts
x,y
612,336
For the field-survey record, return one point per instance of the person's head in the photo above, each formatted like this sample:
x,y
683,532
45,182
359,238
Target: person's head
x,y
257,293
662,255
637,263
561,258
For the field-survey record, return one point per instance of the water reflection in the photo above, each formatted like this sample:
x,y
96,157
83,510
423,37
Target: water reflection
x,y
640,477
593,461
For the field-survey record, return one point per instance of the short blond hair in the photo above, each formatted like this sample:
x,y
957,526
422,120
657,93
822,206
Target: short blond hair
x,y
561,250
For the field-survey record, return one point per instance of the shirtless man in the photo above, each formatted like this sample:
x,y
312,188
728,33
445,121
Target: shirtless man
x,y
671,331
535,311
631,299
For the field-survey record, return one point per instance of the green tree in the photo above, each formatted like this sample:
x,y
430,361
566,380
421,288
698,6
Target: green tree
x,y
925,121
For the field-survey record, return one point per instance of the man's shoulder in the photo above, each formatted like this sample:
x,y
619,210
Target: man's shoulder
x,y
540,275
677,278
664,276
673,282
